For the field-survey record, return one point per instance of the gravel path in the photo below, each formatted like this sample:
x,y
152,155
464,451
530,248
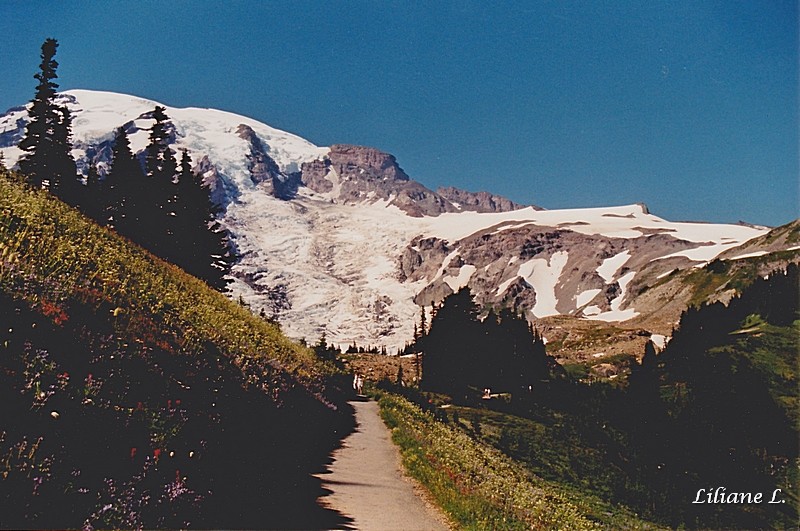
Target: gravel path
x,y
367,484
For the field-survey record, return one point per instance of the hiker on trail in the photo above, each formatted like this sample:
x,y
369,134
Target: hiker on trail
x,y
358,383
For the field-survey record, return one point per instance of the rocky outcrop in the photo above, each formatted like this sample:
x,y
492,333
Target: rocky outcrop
x,y
260,165
358,174
501,264
478,201
219,188
351,161
264,171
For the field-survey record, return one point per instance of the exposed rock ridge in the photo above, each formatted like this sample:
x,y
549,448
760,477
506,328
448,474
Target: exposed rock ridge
x,y
264,169
355,174
348,159
498,259
479,201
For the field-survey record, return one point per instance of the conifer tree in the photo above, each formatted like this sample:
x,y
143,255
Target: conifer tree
x,y
47,158
124,182
64,181
452,345
153,201
94,197
202,248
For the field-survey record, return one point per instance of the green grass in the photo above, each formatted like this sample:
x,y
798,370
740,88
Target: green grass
x,y
481,488
50,254
579,459
774,351
733,274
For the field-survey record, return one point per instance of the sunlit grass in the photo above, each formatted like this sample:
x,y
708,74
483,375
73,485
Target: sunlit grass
x,y
476,485
50,254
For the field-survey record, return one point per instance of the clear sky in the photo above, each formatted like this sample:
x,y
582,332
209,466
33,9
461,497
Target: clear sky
x,y
689,106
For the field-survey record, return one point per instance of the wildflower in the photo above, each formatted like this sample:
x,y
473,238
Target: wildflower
x,y
133,452
54,414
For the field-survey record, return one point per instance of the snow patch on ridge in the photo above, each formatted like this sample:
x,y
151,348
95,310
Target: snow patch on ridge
x,y
504,285
543,276
608,269
585,297
464,275
616,313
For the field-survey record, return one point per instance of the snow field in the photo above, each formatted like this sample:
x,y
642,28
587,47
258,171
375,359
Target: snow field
x,y
339,262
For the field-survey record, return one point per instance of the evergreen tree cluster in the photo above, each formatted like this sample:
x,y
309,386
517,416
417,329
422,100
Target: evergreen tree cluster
x,y
719,406
461,352
164,206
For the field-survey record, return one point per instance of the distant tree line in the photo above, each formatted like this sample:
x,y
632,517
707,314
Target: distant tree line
x,y
462,354
153,200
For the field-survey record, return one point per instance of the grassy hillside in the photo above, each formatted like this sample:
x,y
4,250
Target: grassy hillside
x,y
135,396
51,253
480,488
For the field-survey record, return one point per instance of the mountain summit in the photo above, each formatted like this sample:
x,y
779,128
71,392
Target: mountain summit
x,y
341,241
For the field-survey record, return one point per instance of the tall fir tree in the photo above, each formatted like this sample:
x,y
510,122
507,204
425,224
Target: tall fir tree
x,y
47,159
124,183
205,247
156,202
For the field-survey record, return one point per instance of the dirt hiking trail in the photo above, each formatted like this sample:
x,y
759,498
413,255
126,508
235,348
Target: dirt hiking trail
x,y
367,484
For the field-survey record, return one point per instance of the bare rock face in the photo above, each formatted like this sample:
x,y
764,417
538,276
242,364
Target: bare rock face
x,y
313,175
501,264
422,258
478,201
260,165
219,192
264,170
350,160
358,174
359,168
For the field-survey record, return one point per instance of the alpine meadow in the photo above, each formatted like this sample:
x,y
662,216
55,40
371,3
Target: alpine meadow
x,y
191,300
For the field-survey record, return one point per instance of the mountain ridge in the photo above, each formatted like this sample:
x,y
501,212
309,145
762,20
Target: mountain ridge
x,y
340,241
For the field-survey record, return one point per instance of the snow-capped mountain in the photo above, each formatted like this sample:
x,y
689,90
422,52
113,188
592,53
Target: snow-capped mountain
x,y
339,240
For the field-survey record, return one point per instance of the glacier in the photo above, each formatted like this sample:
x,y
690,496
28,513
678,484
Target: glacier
x,y
338,263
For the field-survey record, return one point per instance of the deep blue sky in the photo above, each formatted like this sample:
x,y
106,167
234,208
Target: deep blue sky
x,y
689,106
